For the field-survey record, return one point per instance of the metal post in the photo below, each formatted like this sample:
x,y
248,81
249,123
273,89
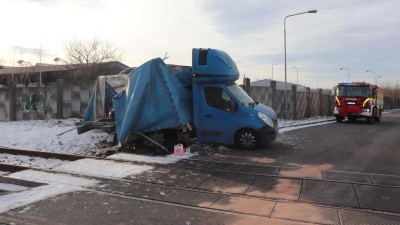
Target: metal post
x,y
375,77
273,70
297,74
284,34
348,73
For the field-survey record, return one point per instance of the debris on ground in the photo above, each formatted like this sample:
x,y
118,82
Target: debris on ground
x,y
207,149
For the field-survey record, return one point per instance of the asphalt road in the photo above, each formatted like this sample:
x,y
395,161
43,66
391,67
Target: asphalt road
x,y
347,146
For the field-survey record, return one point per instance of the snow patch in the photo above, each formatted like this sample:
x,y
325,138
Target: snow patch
x,y
52,178
102,168
286,129
19,199
49,135
57,184
34,162
169,159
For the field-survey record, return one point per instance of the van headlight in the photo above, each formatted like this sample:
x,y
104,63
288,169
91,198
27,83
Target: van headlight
x,y
266,119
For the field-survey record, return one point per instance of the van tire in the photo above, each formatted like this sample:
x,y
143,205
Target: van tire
x,y
247,139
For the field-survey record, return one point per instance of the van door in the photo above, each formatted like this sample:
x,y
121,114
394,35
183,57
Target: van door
x,y
218,112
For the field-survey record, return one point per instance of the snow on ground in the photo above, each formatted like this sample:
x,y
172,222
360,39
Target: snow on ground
x,y
102,168
61,136
56,184
33,162
49,136
169,159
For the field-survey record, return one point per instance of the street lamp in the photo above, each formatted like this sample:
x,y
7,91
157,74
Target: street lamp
x,y
376,76
40,74
273,64
284,34
22,61
348,73
297,74
59,59
394,89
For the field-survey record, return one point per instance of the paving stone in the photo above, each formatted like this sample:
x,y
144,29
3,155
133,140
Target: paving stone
x,y
328,193
260,169
141,190
228,182
182,177
301,172
111,185
275,187
378,198
245,205
349,217
385,179
192,198
196,164
306,213
151,176
346,176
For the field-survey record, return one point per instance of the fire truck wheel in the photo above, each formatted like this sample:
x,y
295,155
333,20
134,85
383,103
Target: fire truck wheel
x,y
371,119
339,119
378,117
247,139
352,118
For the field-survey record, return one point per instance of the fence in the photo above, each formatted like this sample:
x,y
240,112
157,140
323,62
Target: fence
x,y
301,103
70,101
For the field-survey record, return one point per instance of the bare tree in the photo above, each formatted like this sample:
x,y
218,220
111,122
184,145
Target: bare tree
x,y
89,57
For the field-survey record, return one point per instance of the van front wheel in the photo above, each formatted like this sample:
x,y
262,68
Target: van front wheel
x,y
247,139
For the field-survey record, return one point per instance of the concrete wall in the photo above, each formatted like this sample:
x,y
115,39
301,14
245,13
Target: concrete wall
x,y
34,103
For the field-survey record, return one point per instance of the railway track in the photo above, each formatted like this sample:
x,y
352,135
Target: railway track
x,y
228,187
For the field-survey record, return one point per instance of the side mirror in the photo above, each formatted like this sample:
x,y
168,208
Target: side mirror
x,y
333,92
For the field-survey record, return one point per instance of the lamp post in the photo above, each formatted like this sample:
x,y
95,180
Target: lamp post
x,y
22,61
348,73
40,74
273,64
59,59
393,92
376,76
297,73
284,34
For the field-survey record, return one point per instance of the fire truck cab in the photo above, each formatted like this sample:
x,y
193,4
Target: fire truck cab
x,y
358,100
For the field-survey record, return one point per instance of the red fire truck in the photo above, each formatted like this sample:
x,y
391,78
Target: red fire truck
x,y
358,100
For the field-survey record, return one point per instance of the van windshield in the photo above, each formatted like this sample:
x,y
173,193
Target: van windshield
x,y
240,94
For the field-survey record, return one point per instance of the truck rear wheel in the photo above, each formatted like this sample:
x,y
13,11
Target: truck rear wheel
x,y
247,139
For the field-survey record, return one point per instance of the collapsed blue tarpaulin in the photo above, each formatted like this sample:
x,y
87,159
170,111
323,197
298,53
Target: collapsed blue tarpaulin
x,y
90,114
153,100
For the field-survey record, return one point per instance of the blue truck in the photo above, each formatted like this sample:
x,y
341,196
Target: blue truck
x,y
178,102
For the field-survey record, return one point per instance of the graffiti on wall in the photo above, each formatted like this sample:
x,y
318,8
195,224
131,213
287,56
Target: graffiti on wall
x,y
35,103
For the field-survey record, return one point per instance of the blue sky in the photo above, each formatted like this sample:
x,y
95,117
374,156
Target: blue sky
x,y
359,35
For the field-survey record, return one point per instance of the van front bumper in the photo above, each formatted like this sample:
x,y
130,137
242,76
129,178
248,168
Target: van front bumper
x,y
268,134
